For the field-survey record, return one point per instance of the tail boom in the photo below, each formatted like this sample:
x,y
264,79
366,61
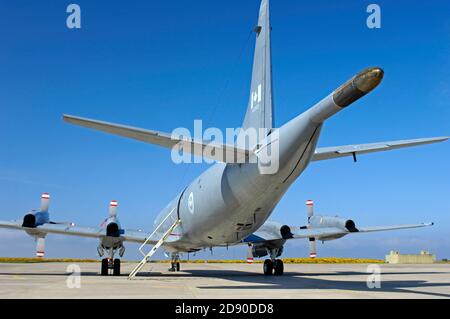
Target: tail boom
x,y
351,91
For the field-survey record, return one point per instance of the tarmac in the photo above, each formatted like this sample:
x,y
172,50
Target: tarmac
x,y
237,281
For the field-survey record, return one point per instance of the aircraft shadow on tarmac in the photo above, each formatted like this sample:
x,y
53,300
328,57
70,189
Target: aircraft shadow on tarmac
x,y
25,274
298,280
290,280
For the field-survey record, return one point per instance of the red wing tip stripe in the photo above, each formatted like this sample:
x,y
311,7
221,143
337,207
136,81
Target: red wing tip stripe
x,y
312,255
45,196
249,260
309,202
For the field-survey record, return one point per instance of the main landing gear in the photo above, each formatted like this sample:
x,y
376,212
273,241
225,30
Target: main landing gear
x,y
273,266
175,262
110,263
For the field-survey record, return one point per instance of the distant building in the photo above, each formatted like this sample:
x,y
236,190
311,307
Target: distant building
x,y
424,257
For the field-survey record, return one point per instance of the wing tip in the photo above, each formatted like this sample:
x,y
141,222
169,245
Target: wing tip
x,y
426,224
69,118
441,138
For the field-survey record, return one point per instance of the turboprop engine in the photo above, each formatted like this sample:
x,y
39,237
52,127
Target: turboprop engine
x,y
111,223
259,251
111,227
318,221
36,218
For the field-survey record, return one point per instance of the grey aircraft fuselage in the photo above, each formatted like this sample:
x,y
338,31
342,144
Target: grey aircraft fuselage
x,y
231,201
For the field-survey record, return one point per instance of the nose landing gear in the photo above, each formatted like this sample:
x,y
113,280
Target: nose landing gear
x,y
175,263
110,262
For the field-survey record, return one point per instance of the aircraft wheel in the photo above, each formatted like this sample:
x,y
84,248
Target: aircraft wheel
x,y
104,267
268,267
279,267
178,266
116,267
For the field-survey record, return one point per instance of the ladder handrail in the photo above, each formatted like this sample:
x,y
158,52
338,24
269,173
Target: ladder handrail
x,y
154,232
153,250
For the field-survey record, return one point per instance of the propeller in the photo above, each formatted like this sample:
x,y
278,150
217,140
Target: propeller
x,y
250,254
40,247
312,240
45,202
113,208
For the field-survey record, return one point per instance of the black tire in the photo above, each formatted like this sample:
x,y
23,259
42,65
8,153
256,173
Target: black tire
x,y
279,267
178,266
104,267
116,267
268,267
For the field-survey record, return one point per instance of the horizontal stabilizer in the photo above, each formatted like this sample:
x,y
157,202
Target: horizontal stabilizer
x,y
325,153
217,152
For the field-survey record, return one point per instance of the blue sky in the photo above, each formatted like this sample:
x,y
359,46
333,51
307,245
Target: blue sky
x,y
163,64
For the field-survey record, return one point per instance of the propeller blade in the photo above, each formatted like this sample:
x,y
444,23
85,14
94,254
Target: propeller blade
x,y
45,202
250,254
312,248
309,208
312,240
40,247
113,208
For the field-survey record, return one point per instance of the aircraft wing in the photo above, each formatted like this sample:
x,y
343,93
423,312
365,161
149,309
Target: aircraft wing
x,y
211,150
11,224
267,235
336,231
73,230
325,153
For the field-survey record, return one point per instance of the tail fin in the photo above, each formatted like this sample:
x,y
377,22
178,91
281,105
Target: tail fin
x,y
259,111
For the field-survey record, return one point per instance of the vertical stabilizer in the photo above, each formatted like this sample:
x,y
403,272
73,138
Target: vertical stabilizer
x,y
259,111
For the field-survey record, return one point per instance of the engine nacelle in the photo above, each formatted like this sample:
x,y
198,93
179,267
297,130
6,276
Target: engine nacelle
x,y
259,251
29,221
318,221
262,250
32,220
285,232
113,230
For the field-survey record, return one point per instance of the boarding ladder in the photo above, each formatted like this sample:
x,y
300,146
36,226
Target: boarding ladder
x,y
155,247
